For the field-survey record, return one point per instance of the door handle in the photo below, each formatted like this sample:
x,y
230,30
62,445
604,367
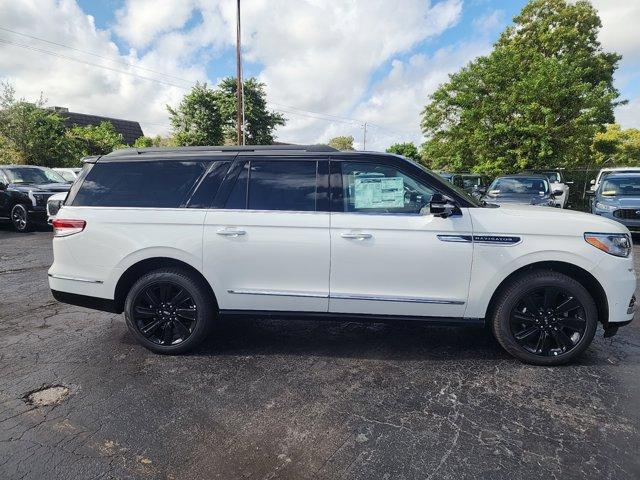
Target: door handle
x,y
231,232
356,235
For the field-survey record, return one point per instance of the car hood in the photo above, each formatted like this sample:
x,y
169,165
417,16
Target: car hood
x,y
526,199
540,220
621,201
39,187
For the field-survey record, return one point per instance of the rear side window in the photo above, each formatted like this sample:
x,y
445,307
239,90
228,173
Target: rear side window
x,y
139,184
275,185
282,185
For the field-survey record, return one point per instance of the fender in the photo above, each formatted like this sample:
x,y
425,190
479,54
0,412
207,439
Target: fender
x,y
481,288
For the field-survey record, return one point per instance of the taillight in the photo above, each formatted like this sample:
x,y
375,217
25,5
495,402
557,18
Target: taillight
x,y
63,227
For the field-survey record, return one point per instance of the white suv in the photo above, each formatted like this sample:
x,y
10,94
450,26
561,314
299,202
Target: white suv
x,y
177,238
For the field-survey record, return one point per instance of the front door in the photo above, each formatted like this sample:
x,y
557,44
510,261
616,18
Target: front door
x,y
389,256
267,247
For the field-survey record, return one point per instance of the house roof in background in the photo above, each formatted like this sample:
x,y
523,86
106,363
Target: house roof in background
x,y
129,129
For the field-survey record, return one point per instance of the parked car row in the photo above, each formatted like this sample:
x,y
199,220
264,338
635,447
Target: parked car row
x,y
532,187
24,191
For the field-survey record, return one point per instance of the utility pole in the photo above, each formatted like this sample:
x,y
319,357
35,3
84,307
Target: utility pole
x,y
239,104
364,137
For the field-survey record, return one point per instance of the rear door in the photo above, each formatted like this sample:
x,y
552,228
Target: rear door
x,y
266,242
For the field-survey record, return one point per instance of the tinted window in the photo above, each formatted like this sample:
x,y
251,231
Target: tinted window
x,y
206,191
282,185
374,188
139,184
238,197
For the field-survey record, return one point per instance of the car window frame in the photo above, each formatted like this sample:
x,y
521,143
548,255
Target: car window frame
x,y
337,189
228,184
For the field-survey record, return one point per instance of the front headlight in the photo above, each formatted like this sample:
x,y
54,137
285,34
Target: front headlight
x,y
618,244
605,206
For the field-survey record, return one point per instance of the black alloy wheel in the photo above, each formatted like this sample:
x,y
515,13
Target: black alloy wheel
x,y
20,218
548,321
165,313
544,317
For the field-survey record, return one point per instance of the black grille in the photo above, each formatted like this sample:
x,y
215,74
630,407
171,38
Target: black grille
x,y
627,213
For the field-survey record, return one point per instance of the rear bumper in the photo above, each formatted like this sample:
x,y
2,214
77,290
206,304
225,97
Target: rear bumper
x,y
94,303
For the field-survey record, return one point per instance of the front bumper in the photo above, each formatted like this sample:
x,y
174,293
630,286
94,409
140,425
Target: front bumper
x,y
632,224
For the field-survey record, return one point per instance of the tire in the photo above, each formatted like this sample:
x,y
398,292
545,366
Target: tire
x,y
164,320
545,318
20,218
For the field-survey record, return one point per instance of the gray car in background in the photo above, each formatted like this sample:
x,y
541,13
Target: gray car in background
x,y
521,189
618,198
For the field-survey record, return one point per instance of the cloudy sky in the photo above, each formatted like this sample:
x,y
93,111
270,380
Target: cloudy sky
x,y
329,66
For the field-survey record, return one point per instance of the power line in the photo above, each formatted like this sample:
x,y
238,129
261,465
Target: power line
x,y
66,57
283,108
33,37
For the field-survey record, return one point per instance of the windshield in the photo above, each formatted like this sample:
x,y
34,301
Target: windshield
x,y
470,182
68,175
33,175
521,186
438,180
621,186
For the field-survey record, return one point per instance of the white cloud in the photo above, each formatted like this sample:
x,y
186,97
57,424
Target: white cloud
x,y
314,55
620,20
489,22
139,22
629,115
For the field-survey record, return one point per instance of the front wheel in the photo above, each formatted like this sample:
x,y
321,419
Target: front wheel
x,y
169,311
545,318
20,218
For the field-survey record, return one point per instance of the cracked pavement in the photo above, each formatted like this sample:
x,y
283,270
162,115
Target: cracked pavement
x,y
298,399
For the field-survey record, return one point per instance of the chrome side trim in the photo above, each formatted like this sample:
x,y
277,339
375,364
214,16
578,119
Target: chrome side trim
x,y
507,240
389,298
75,279
279,293
456,238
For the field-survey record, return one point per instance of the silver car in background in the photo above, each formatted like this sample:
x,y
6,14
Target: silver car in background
x,y
618,198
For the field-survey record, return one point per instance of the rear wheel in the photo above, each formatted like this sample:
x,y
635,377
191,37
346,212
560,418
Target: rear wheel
x,y
545,318
20,218
169,311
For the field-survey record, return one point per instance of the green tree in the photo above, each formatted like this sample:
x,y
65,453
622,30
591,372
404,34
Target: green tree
x,y
536,101
408,150
342,143
157,141
29,133
617,147
207,116
98,139
259,122
197,119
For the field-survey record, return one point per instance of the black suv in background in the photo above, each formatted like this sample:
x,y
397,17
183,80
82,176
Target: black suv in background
x,y
24,191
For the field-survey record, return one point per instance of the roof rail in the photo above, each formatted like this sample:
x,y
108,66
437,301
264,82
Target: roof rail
x,y
244,148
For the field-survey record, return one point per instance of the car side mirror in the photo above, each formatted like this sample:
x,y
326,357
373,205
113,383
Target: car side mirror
x,y
593,182
557,193
441,206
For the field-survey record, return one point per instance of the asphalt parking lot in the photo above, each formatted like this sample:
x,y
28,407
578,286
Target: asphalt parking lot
x,y
298,400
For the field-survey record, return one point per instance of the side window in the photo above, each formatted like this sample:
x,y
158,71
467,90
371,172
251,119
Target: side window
x,y
282,185
458,181
159,184
375,188
237,199
206,191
